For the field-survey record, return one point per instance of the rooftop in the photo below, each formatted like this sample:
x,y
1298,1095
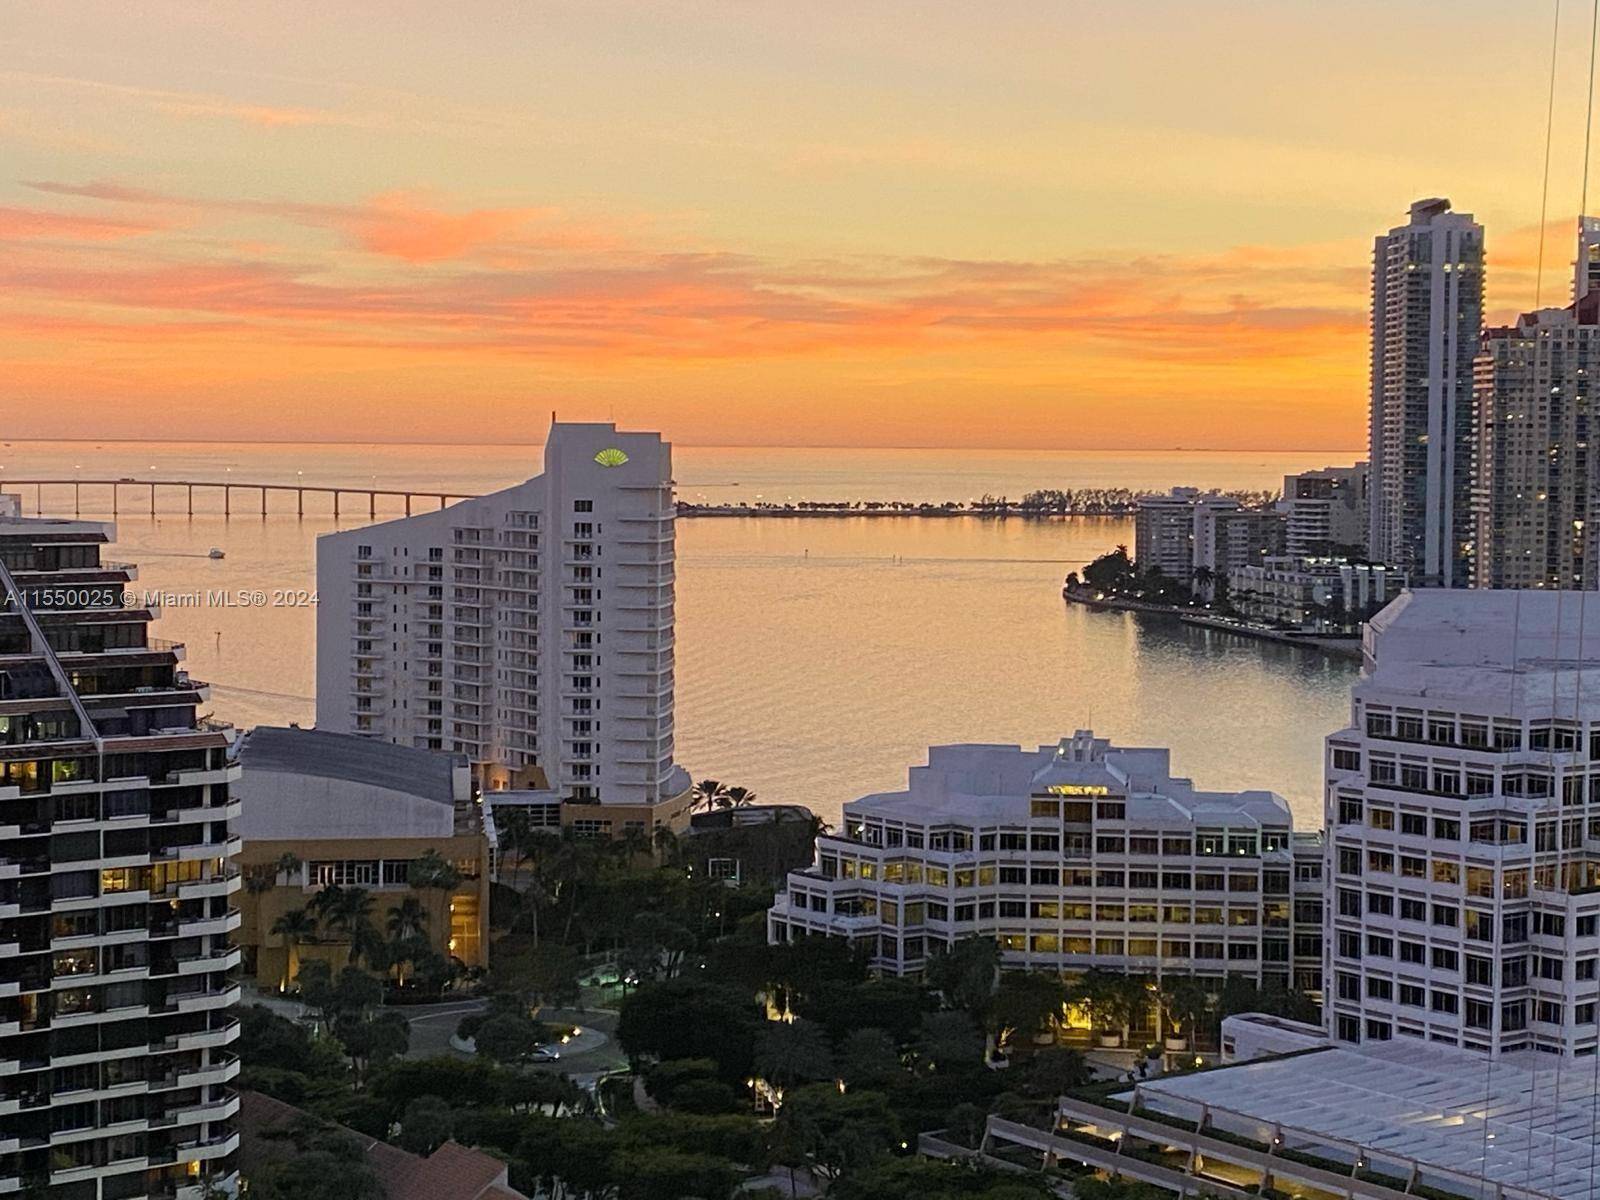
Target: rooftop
x,y
315,752
452,1172
1528,1122
1522,646
995,782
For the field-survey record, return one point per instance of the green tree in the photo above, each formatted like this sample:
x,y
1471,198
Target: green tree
x,y
507,1037
540,973
950,1042
838,1132
869,1058
309,1160
426,1124
967,975
791,1053
933,1179
435,877
372,1040
689,1017
295,927
661,1173
1050,1073
1025,1003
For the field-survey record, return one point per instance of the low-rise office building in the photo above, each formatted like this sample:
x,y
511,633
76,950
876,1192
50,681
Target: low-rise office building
x,y
1072,856
329,809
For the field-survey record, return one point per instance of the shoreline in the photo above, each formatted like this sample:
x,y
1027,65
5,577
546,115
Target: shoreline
x,y
924,510
1336,647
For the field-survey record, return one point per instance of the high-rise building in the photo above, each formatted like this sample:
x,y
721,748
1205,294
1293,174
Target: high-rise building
x,y
1186,531
1228,536
1461,808
116,886
1586,266
1163,533
1536,487
1427,311
1077,855
1326,511
531,629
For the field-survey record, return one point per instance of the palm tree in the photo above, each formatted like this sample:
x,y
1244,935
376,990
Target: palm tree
x,y
665,844
294,927
326,902
407,927
634,845
407,919
706,794
738,797
288,865
513,831
432,873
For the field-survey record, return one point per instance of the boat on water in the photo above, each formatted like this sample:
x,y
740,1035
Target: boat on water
x,y
215,552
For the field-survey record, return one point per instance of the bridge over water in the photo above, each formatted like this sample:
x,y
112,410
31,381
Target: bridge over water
x,y
121,490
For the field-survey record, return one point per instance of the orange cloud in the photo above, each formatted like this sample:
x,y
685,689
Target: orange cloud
x,y
18,223
494,289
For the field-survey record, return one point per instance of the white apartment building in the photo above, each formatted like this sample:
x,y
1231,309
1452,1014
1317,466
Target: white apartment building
x,y
1188,531
1228,536
1325,511
117,885
1163,533
1312,593
531,629
1072,856
1463,818
1427,311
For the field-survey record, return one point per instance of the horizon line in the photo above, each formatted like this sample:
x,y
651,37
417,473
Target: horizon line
x,y
689,445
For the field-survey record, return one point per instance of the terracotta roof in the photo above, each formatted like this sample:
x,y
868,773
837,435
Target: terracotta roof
x,y
452,1172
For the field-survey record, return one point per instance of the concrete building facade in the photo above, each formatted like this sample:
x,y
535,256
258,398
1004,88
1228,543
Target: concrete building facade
x,y
117,879
1427,312
1536,490
1072,856
1163,533
1326,511
1463,819
530,629
1312,593
324,809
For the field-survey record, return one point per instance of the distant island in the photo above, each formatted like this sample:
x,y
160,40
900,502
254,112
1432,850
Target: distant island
x,y
1037,505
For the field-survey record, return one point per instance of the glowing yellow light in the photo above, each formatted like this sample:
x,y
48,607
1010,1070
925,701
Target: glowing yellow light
x,y
611,457
1078,789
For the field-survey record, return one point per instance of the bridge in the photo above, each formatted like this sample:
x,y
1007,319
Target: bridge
x,y
227,487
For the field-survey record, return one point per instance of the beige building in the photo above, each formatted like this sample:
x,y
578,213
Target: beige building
x,y
323,809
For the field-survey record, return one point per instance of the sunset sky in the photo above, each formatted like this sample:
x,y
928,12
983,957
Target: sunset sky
x,y
1006,224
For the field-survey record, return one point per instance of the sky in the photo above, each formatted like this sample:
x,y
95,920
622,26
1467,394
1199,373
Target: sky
x,y
1018,223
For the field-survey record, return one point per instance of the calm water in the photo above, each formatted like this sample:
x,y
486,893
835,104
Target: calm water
x,y
817,659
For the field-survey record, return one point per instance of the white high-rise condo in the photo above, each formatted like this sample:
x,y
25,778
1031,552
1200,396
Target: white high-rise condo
x,y
116,886
1463,817
1536,480
1427,310
531,629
